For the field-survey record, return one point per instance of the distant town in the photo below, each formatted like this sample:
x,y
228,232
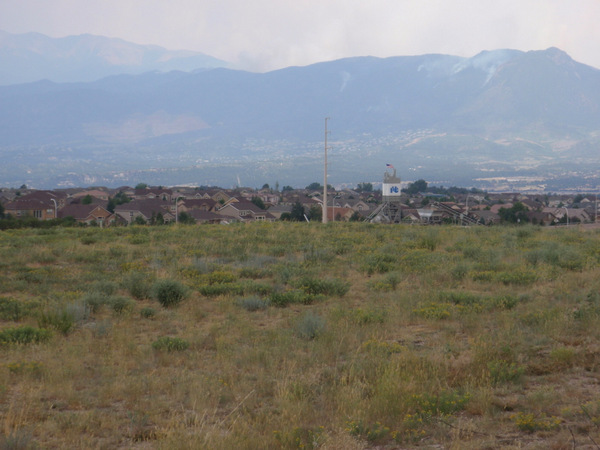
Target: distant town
x,y
417,204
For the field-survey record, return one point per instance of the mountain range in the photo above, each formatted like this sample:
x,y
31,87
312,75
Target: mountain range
x,y
532,116
33,56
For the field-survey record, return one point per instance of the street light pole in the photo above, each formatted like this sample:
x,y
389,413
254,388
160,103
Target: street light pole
x,y
176,215
325,177
55,208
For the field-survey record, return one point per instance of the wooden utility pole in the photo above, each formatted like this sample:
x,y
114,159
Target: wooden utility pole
x,y
325,177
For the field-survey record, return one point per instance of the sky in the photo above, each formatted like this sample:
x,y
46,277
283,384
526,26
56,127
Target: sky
x,y
263,35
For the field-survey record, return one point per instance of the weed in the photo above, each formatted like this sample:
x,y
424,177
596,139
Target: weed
x,y
24,335
170,344
530,423
504,372
434,311
317,286
285,298
375,433
368,316
63,319
17,440
301,437
14,310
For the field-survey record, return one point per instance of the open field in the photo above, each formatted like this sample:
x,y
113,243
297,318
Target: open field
x,y
294,335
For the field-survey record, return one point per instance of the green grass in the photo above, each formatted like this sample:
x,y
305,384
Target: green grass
x,y
295,335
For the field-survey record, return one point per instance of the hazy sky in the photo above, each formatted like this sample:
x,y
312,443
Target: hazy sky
x,y
268,34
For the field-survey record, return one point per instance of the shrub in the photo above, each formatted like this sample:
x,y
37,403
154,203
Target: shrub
x,y
169,293
460,298
367,316
170,344
60,320
517,277
105,287
310,326
434,311
253,303
94,301
214,290
379,263
147,313
505,372
14,310
316,286
120,304
138,285
219,277
24,335
285,298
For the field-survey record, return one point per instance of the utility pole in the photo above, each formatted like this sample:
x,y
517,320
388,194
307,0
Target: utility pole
x,y
325,176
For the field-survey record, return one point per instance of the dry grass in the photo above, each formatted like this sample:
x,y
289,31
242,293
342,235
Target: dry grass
x,y
446,337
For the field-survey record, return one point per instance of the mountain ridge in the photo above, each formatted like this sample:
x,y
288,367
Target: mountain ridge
x,y
31,57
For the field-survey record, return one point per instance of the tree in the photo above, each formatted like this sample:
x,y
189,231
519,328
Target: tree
x,y
1,211
316,213
139,220
266,186
141,186
365,187
287,188
416,187
87,200
314,186
297,213
515,214
185,218
356,217
258,202
118,199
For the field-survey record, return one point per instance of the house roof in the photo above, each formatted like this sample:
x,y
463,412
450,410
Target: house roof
x,y
205,216
193,203
79,211
146,207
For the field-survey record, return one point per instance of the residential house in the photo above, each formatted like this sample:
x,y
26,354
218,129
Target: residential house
x,y
95,193
572,214
335,214
245,211
357,205
411,215
88,214
148,210
541,217
487,217
43,205
151,193
208,217
200,204
278,210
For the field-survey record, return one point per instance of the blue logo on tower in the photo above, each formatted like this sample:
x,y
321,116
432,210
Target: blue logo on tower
x,y
394,190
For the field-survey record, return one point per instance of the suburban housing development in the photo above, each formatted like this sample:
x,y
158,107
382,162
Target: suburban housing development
x,y
143,204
